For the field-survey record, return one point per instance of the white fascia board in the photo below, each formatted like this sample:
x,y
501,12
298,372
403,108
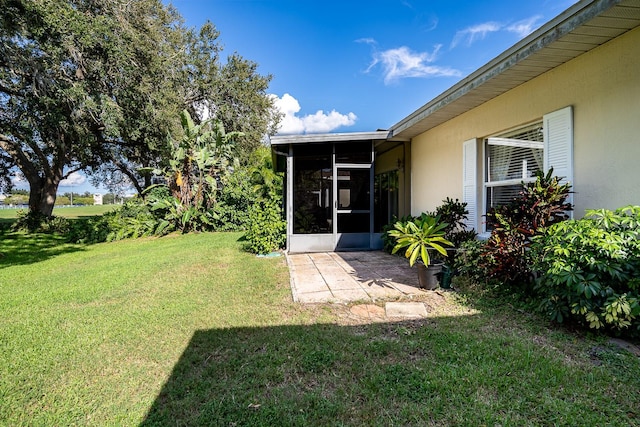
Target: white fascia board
x,y
329,137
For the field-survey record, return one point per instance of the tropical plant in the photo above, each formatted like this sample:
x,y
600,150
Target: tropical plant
x,y
454,213
197,163
538,205
388,241
590,269
419,237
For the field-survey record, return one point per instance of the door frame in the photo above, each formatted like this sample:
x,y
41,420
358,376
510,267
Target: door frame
x,y
351,241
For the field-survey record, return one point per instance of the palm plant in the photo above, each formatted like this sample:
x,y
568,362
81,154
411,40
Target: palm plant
x,y
419,237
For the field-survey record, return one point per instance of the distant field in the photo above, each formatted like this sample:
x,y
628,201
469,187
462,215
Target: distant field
x,y
67,212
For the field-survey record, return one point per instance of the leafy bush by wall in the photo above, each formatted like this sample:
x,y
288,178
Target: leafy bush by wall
x,y
539,205
266,227
590,270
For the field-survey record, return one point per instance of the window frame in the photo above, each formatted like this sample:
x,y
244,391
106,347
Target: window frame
x,y
507,139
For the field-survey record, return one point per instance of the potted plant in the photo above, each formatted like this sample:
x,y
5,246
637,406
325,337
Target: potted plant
x,y
419,237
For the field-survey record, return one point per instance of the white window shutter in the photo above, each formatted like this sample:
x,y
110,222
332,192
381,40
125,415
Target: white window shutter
x,y
558,144
469,181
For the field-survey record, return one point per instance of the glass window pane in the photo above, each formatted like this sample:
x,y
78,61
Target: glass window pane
x,y
501,195
353,189
353,222
354,152
386,199
507,162
312,190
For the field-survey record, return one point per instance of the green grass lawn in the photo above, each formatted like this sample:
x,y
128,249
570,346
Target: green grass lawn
x,y
190,330
67,212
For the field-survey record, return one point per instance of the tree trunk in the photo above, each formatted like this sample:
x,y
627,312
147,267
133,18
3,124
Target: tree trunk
x,y
42,194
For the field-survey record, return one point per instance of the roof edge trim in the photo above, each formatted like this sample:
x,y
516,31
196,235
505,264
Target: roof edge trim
x,y
567,21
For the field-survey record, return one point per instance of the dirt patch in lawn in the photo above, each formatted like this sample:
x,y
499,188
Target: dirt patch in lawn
x,y
440,303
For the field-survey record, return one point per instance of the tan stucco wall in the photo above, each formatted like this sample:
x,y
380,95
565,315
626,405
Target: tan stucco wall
x,y
603,86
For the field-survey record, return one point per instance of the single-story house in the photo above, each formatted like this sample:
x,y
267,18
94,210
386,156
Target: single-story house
x,y
567,96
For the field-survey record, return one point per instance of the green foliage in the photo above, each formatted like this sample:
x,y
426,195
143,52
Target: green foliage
x,y
454,213
234,201
419,237
266,231
97,86
538,206
266,228
590,270
389,241
198,161
470,261
17,199
37,222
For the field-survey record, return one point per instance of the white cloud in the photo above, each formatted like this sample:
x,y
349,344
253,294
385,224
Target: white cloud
x,y
476,32
524,27
73,180
320,122
366,40
470,35
402,62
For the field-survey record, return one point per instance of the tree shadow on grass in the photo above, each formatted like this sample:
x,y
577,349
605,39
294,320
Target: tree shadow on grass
x,y
22,249
284,375
437,371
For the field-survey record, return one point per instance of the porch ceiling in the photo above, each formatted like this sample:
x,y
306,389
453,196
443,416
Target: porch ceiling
x,y
581,28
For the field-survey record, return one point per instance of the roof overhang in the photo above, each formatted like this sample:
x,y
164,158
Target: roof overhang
x,y
329,137
581,28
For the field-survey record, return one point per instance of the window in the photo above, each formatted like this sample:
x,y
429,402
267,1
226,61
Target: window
x,y
511,159
312,189
385,203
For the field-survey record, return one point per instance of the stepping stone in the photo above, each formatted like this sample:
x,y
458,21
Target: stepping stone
x,y
408,310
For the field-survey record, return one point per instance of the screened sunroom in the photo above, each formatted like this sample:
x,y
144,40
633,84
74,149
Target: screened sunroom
x,y
341,189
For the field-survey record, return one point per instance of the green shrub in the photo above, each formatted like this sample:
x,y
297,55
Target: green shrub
x,y
590,270
470,262
266,231
133,219
266,227
539,205
90,230
234,200
36,222
454,213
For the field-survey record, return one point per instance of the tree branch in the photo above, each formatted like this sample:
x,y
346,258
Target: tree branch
x,y
20,157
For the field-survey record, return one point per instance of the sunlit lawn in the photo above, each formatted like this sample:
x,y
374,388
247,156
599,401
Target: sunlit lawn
x,y
190,330
65,211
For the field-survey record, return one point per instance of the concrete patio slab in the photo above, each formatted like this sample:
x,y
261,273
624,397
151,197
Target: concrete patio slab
x,y
351,276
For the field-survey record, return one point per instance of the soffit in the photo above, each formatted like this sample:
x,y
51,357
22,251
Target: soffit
x,y
581,28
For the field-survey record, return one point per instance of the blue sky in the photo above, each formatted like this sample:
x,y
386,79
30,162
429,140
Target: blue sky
x,y
342,66
348,66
